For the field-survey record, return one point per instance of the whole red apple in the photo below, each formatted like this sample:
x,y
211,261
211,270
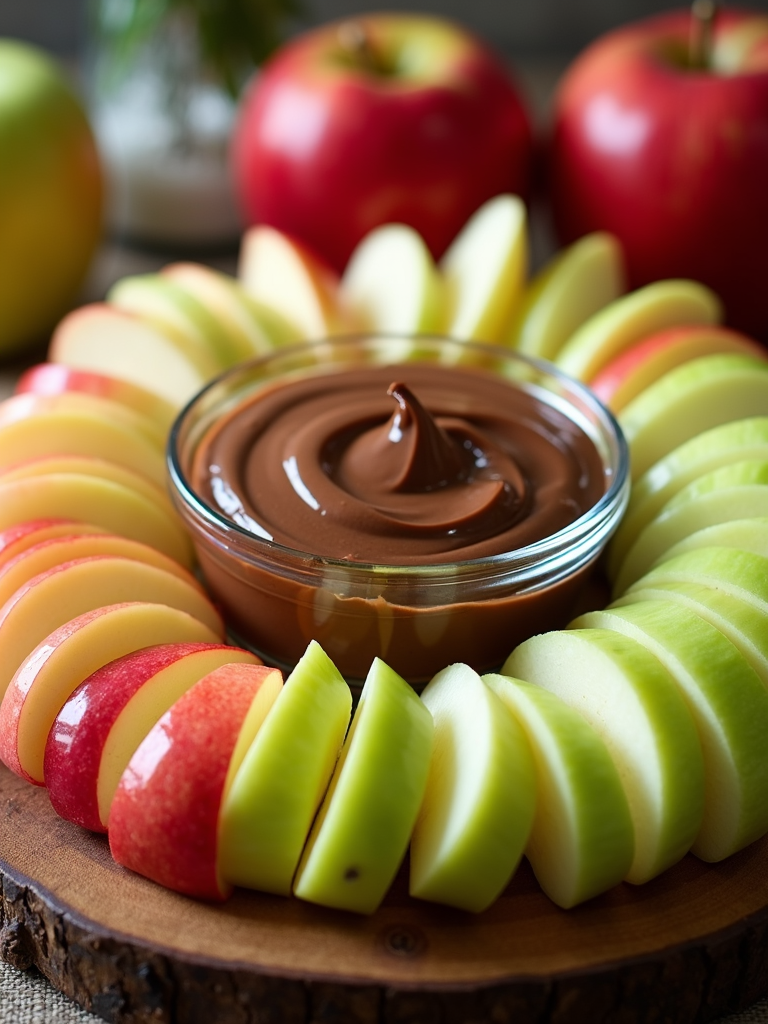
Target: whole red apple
x,y
388,117
669,152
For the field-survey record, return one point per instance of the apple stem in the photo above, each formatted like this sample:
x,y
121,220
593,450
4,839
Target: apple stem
x,y
356,43
703,14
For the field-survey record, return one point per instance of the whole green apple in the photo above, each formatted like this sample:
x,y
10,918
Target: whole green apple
x,y
50,195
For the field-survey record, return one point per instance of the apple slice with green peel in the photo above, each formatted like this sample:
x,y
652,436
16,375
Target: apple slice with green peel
x,y
108,505
393,283
484,269
165,815
729,705
55,379
105,719
174,310
60,431
273,799
18,538
48,675
719,446
64,591
644,363
633,317
738,491
695,397
56,550
361,832
635,705
103,339
576,283
285,276
479,803
253,329
745,534
743,624
582,841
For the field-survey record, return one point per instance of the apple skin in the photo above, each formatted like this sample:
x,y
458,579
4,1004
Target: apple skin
x,y
425,149
50,195
670,160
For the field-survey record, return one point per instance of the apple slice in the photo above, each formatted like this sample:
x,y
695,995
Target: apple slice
x,y
253,328
728,703
745,534
102,339
719,446
361,832
73,651
576,283
285,276
164,821
479,803
108,505
272,801
629,697
17,538
485,269
67,590
642,365
56,550
582,841
629,319
738,491
161,302
55,379
393,283
695,397
105,719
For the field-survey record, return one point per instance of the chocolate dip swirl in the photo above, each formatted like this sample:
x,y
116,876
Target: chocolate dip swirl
x,y
399,465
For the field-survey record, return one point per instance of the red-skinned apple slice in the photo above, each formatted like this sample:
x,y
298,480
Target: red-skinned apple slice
x,y
100,726
640,366
164,822
108,505
72,652
65,591
17,538
55,378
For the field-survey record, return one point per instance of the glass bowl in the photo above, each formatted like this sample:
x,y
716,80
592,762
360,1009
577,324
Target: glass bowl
x,y
416,617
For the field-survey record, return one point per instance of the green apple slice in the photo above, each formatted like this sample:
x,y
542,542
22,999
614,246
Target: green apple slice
x,y
745,534
269,808
730,492
720,446
574,285
743,624
694,397
582,841
484,270
479,804
629,697
729,705
362,829
635,316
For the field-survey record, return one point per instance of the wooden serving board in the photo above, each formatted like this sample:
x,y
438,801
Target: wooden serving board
x,y
689,946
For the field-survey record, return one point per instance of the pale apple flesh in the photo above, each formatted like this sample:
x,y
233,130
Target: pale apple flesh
x,y
744,534
14,540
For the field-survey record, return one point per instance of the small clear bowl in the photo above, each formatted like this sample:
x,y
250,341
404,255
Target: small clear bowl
x,y
417,618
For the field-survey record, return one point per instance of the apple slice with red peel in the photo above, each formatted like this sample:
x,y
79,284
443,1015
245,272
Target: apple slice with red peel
x,y
102,339
165,817
642,365
275,794
484,269
361,831
692,398
66,548
58,665
478,807
108,505
17,538
55,379
629,319
635,705
576,283
105,719
65,591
